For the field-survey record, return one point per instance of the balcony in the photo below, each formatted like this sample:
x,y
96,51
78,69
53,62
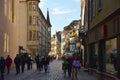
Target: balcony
x,y
33,44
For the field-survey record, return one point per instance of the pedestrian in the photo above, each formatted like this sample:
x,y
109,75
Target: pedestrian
x,y
17,62
2,67
28,62
8,62
31,62
69,66
48,62
76,65
40,63
23,60
65,66
37,61
45,63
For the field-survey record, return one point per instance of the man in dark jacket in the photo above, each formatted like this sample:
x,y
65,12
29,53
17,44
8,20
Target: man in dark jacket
x,y
2,67
23,60
17,62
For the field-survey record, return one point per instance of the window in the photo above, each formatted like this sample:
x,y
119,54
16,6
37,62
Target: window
x,y
99,5
72,47
116,25
6,43
49,29
5,6
34,35
38,35
63,47
34,6
63,39
72,40
90,10
94,8
111,55
30,6
12,10
38,21
30,35
30,20
96,56
34,20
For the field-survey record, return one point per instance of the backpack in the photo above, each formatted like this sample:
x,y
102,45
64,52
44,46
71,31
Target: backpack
x,y
76,63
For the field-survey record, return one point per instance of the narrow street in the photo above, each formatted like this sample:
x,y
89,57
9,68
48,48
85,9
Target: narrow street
x,y
55,74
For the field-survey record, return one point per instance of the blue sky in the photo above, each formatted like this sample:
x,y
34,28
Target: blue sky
x,y
61,12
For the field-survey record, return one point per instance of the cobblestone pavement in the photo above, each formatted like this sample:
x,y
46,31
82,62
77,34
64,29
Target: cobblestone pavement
x,y
56,73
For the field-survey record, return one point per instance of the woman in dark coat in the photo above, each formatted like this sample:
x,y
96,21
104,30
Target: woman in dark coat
x,y
8,63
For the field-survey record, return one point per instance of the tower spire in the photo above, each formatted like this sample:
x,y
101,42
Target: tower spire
x,y
48,18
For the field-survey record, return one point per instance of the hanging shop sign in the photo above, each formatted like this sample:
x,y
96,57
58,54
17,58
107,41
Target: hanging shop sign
x,y
104,31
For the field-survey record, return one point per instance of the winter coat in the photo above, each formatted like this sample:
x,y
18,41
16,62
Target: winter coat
x,y
2,63
8,62
17,60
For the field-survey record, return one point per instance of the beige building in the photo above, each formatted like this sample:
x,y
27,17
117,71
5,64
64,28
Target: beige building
x,y
19,28
8,31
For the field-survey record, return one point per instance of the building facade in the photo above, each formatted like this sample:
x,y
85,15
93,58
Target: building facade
x,y
71,33
44,34
20,31
62,42
8,40
104,37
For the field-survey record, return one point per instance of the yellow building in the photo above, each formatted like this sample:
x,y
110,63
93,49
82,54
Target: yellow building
x,y
71,33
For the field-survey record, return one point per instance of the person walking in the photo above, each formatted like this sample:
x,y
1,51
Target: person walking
x,y
37,61
23,60
45,63
2,67
76,65
65,66
28,62
17,62
8,62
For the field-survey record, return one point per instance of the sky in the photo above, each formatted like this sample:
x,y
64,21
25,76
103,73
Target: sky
x,y
61,12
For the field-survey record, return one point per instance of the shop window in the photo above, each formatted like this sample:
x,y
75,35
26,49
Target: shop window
x,y
111,55
96,56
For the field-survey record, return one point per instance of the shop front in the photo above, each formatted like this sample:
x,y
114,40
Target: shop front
x,y
104,50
